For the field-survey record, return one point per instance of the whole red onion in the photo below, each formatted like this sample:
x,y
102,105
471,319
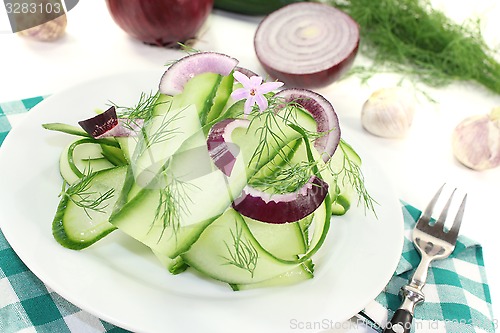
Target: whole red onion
x,y
160,22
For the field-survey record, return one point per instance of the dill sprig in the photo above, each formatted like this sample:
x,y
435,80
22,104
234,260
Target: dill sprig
x,y
285,179
242,253
79,193
142,110
350,173
270,131
173,202
165,130
412,38
189,49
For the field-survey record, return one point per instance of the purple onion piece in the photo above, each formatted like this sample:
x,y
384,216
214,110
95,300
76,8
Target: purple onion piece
x,y
220,148
107,124
245,71
323,113
282,208
177,75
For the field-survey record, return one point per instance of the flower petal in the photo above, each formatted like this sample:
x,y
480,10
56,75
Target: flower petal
x,y
243,79
249,105
255,81
269,86
239,94
261,102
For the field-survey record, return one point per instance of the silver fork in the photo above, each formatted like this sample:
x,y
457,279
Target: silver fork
x,y
433,242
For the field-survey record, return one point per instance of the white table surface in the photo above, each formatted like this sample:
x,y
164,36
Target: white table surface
x,y
94,46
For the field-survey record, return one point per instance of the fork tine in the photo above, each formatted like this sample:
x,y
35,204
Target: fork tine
x,y
458,220
442,217
426,216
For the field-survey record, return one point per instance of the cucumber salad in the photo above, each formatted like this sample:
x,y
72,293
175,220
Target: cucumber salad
x,y
217,171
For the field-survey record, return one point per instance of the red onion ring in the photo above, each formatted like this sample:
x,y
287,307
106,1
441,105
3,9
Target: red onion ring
x,y
177,75
282,208
323,113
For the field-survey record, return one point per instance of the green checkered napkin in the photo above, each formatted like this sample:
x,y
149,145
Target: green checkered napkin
x,y
457,294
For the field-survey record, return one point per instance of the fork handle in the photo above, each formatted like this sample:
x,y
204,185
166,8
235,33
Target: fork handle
x,y
403,317
400,322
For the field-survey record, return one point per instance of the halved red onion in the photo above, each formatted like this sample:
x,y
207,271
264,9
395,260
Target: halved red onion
x,y
107,124
323,113
282,208
220,148
176,76
306,44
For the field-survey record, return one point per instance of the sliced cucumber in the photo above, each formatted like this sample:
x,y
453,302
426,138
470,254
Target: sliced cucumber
x,y
222,96
80,222
284,241
174,266
114,155
81,157
199,91
160,138
145,219
65,128
187,196
228,251
298,274
341,188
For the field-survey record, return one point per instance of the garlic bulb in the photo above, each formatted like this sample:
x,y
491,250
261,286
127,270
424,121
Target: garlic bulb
x,y
47,31
476,141
388,112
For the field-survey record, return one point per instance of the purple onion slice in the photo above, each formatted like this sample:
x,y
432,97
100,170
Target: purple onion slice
x,y
220,148
323,113
307,44
107,124
178,74
282,208
287,207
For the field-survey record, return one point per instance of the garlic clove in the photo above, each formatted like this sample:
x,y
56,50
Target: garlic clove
x,y
47,31
388,112
476,141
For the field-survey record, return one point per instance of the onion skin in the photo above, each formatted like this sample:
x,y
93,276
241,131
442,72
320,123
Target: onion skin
x,y
177,75
282,208
107,124
294,46
160,22
222,151
323,113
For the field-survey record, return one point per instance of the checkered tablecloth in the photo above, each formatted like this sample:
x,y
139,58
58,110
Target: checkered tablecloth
x,y
457,296
457,293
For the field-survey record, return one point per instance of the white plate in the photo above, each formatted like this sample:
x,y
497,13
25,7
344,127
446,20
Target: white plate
x,y
119,281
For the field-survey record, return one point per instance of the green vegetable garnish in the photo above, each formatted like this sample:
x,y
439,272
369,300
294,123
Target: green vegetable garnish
x,y
412,38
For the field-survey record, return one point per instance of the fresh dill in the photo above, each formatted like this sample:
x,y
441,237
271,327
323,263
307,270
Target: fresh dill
x,y
412,38
80,194
173,202
242,253
144,109
183,47
285,179
350,173
165,130
270,130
